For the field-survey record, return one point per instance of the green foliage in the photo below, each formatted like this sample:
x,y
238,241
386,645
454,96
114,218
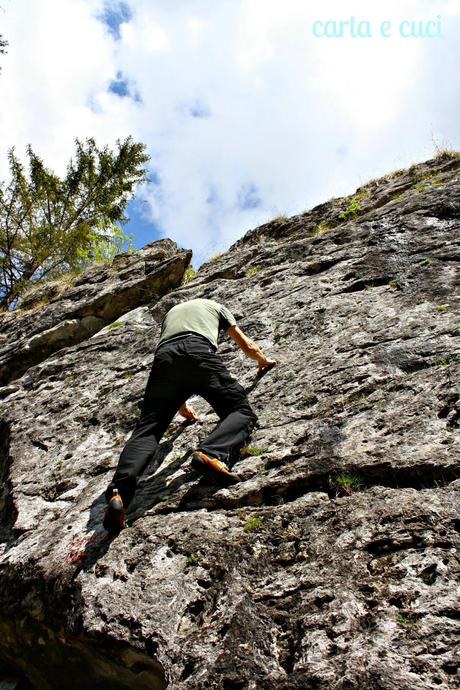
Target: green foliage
x,y
425,180
351,211
441,307
405,620
448,359
425,262
3,45
51,225
393,284
353,208
160,499
247,451
346,483
105,247
189,274
251,271
322,228
192,559
252,524
116,324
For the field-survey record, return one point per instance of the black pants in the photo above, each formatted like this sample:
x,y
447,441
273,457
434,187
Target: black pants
x,y
181,368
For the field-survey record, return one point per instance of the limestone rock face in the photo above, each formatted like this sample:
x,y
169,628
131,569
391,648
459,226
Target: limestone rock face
x,y
333,563
69,313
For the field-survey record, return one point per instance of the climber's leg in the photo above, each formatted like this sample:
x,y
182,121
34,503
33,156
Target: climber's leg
x,y
230,402
164,394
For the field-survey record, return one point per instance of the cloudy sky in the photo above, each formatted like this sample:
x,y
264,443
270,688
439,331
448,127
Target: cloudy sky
x,y
249,108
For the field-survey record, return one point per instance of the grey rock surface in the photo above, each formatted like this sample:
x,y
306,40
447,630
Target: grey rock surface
x,y
59,314
333,564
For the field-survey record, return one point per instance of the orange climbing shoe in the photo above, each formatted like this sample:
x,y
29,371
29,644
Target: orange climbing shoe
x,y
114,516
201,461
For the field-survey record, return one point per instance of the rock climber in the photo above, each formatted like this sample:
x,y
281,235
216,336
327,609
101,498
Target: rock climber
x,y
185,363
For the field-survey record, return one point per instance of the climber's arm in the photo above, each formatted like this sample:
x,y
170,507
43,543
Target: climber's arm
x,y
249,347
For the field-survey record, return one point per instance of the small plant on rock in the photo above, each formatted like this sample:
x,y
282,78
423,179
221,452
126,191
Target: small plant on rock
x,y
252,524
251,271
351,210
346,483
446,154
189,275
448,359
405,620
322,227
42,302
248,451
214,258
192,559
279,219
160,499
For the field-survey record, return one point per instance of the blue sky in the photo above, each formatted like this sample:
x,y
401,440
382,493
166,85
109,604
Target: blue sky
x,y
248,108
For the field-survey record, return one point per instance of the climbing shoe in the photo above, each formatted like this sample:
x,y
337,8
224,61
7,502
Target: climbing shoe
x,y
114,516
205,463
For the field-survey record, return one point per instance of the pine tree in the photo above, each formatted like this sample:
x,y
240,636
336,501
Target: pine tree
x,y
50,225
3,45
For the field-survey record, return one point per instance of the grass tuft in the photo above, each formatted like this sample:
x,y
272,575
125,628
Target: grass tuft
x,y
405,620
446,154
192,559
214,258
252,524
346,483
248,451
251,271
189,274
279,220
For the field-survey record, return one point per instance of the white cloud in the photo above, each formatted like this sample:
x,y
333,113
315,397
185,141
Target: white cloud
x,y
235,94
148,34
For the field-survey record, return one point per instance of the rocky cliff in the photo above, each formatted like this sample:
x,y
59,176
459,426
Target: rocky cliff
x,y
332,564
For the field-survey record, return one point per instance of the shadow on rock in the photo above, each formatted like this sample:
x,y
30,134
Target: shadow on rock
x,y
152,490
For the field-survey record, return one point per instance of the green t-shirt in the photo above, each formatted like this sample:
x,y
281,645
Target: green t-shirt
x,y
203,316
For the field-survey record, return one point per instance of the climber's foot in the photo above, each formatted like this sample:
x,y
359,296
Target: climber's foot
x,y
213,466
114,516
